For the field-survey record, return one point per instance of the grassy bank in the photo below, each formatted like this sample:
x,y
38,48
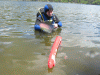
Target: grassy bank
x,y
95,2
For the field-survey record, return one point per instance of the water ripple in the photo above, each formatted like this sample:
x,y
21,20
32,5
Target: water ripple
x,y
5,43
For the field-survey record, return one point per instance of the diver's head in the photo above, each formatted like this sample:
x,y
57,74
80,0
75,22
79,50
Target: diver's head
x,y
48,9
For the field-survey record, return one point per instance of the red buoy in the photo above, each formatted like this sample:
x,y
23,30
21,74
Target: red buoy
x,y
51,60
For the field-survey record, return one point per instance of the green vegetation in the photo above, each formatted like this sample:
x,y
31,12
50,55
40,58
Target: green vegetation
x,y
96,2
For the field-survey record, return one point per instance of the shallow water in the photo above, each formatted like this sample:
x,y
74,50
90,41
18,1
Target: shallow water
x,y
24,51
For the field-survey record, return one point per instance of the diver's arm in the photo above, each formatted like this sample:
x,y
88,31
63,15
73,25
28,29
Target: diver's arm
x,y
38,21
57,21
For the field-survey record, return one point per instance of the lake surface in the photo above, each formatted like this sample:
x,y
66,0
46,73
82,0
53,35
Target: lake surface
x,y
24,51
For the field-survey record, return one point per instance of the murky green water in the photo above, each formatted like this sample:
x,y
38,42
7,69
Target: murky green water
x,y
25,52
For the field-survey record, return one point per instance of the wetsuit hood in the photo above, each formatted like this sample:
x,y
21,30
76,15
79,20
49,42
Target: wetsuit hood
x,y
47,8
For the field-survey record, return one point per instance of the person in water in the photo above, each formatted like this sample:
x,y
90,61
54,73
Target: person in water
x,y
47,15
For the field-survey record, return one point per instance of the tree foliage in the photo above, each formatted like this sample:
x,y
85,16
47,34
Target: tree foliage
x,y
80,1
96,2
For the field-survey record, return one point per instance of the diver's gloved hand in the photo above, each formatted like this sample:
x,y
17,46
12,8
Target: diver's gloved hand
x,y
55,25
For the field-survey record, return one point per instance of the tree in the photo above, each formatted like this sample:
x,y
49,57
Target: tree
x,y
97,2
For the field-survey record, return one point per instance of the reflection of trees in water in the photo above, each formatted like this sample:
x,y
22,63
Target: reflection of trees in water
x,y
47,37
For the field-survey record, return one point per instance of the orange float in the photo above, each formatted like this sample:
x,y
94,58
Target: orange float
x,y
51,60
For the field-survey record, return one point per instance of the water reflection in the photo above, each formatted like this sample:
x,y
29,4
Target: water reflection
x,y
25,51
46,37
92,53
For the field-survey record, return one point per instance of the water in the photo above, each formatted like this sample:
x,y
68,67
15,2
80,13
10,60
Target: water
x,y
24,51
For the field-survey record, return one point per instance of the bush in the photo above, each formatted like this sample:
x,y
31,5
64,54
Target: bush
x,y
97,2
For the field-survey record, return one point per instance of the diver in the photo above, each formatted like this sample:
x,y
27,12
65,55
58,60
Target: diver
x,y
46,14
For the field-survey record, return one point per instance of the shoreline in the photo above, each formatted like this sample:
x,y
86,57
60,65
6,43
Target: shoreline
x,y
95,2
